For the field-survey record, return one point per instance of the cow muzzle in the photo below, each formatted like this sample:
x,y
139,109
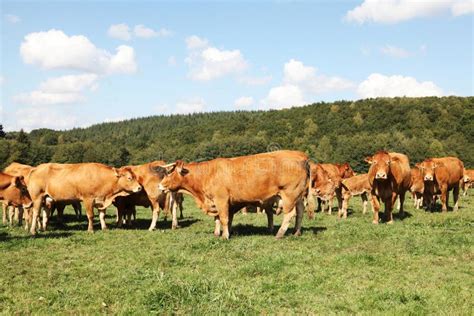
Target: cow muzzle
x,y
428,178
138,189
381,175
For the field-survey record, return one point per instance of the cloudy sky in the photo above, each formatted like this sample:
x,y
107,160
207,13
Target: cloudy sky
x,y
73,64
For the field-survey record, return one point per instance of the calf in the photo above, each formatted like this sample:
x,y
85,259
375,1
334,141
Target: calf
x,y
389,177
13,191
354,186
417,187
468,181
440,176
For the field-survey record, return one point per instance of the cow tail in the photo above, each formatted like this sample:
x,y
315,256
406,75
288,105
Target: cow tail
x,y
311,205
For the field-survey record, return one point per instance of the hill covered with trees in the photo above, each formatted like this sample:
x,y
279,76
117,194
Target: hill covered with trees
x,y
328,132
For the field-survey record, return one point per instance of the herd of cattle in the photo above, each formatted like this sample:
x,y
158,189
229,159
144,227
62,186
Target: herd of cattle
x,y
280,181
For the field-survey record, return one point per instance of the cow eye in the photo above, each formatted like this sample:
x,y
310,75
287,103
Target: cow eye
x,y
129,179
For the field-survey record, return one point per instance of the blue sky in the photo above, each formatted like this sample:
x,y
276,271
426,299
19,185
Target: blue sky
x,y
70,64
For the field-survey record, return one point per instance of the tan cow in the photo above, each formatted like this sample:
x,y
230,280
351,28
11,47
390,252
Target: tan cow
x,y
390,177
417,187
354,186
326,176
440,176
13,191
222,182
468,181
96,185
151,196
16,169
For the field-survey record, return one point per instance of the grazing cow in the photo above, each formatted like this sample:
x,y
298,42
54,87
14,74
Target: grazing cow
x,y
468,181
96,185
13,191
441,175
353,186
220,183
150,196
417,187
16,169
390,177
327,175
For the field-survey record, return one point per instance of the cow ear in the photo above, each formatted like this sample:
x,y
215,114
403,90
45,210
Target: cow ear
x,y
435,165
116,172
418,165
368,160
180,168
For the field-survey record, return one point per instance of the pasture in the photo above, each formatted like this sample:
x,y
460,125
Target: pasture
x,y
423,264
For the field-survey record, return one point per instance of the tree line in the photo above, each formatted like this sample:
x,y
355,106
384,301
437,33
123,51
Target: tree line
x,y
328,132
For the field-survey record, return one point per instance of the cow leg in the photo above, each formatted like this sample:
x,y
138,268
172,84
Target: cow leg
x,y
287,216
217,227
364,202
401,200
20,215
376,205
155,211
60,215
129,215
456,198
310,206
180,205
223,208
103,225
269,212
444,198
4,211
343,211
11,215
319,205
17,214
231,219
299,217
174,211
46,212
388,208
34,218
89,206
77,209
339,199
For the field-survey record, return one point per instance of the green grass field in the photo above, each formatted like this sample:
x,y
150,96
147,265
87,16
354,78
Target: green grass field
x,y
421,265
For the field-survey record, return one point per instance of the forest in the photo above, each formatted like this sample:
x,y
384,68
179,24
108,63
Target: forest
x,y
328,132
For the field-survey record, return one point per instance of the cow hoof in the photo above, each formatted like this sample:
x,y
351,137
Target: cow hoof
x,y
151,229
175,227
297,233
390,222
90,231
375,222
217,234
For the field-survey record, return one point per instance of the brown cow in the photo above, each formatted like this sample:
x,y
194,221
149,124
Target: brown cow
x,y
441,175
13,191
390,177
222,182
150,196
353,186
468,181
322,173
16,169
96,185
19,169
417,187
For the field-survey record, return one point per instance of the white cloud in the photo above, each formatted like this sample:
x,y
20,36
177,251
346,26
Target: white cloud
x,y
55,50
60,90
34,117
195,42
11,18
142,31
208,63
394,51
255,81
301,83
283,96
394,11
120,31
172,61
307,78
378,85
243,102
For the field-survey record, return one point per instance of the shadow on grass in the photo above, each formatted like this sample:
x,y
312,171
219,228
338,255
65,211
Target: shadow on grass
x,y
4,237
403,216
251,230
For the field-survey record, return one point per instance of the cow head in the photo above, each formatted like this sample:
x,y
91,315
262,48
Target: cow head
x,y
175,176
427,169
127,180
17,193
379,165
345,170
324,189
